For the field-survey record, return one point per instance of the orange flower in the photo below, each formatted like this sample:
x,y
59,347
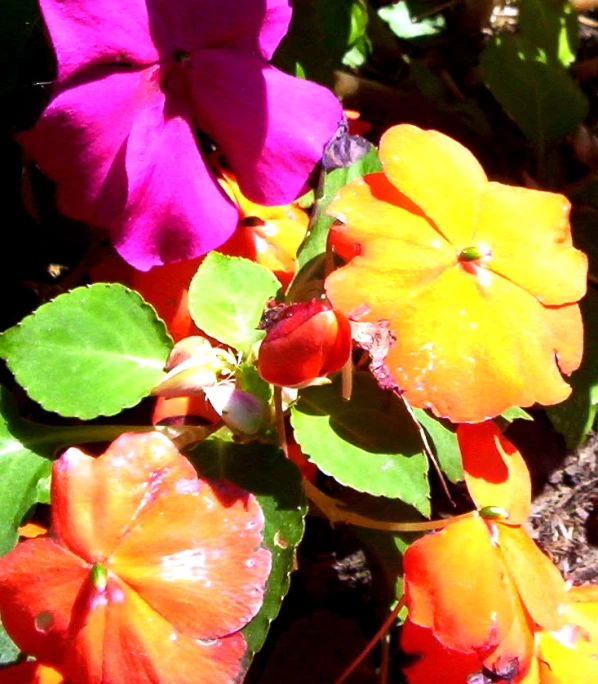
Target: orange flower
x,y
478,280
269,235
570,655
31,672
481,586
142,558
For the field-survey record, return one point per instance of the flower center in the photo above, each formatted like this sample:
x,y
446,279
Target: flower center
x,y
475,253
493,513
181,57
99,576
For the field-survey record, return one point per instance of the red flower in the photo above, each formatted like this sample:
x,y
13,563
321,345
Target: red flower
x,y
147,575
306,341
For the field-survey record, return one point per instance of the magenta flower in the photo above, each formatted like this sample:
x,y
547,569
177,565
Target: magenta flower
x,y
135,81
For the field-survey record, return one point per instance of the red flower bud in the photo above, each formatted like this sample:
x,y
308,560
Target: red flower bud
x,y
306,340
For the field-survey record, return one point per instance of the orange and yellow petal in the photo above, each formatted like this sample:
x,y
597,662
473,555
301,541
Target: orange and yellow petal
x,y
538,580
515,653
454,585
466,347
495,472
529,234
97,500
193,554
400,250
437,173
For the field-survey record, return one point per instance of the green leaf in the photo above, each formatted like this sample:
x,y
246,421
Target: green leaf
x,y
575,416
529,88
398,18
446,446
262,470
9,651
311,253
369,443
249,380
552,25
514,413
318,37
584,225
92,351
25,453
227,297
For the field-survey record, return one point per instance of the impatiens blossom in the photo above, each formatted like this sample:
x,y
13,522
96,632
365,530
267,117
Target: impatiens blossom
x,y
147,575
569,655
480,587
134,85
478,280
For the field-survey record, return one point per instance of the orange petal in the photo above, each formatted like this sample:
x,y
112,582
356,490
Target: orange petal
x,y
397,243
31,530
437,173
124,640
194,556
495,472
96,500
30,672
565,653
515,653
454,585
39,584
435,658
467,348
529,234
538,581
166,288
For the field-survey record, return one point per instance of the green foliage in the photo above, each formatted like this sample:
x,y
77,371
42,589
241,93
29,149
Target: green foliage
x,y
319,36
369,443
92,351
515,413
575,416
25,452
528,85
446,447
276,483
551,25
227,297
398,17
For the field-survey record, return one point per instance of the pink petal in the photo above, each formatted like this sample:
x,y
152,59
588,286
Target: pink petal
x,y
80,140
253,26
176,209
125,160
91,32
271,127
